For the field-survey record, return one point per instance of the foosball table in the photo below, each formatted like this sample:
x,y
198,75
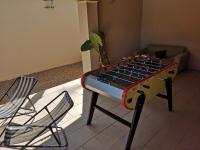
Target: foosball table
x,y
132,80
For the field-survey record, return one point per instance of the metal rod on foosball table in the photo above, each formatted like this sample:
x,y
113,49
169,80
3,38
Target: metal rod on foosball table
x,y
119,78
126,75
135,120
149,65
138,69
129,75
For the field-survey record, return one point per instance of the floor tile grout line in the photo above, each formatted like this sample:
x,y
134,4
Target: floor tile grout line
x,y
97,117
150,148
180,140
146,144
112,124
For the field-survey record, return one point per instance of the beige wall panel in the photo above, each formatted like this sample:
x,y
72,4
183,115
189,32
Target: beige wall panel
x,y
33,38
121,21
174,22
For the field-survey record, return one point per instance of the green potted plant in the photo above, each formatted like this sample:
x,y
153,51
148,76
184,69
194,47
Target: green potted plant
x,y
94,43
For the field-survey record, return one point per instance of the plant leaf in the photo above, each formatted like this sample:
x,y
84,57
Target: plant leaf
x,y
95,40
87,45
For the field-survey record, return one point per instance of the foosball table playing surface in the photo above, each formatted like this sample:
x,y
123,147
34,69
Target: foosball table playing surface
x,y
132,81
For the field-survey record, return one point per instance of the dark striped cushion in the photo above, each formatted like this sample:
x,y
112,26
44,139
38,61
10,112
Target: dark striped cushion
x,y
23,89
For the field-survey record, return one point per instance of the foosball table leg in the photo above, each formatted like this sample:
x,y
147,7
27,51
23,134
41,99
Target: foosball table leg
x,y
168,84
135,120
92,106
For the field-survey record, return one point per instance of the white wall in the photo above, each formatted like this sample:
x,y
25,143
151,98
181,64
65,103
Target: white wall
x,y
175,22
88,22
33,38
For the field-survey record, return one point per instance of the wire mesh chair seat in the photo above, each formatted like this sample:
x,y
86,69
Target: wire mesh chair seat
x,y
31,133
15,97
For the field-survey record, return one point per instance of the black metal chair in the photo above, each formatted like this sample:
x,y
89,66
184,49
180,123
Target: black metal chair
x,y
32,133
15,97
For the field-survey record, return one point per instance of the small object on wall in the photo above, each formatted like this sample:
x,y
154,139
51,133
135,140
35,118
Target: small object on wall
x,y
49,4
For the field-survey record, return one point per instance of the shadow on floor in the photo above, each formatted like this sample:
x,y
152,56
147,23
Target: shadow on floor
x,y
50,78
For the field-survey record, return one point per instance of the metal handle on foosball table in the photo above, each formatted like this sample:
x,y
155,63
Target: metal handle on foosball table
x,y
145,86
171,72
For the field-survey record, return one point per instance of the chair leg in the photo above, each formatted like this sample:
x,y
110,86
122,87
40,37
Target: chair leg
x,y
31,103
65,137
55,137
92,106
29,109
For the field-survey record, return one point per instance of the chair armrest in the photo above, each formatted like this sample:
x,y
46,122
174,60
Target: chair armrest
x,y
18,126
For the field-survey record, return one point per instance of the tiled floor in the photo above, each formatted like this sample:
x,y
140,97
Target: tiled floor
x,y
158,129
